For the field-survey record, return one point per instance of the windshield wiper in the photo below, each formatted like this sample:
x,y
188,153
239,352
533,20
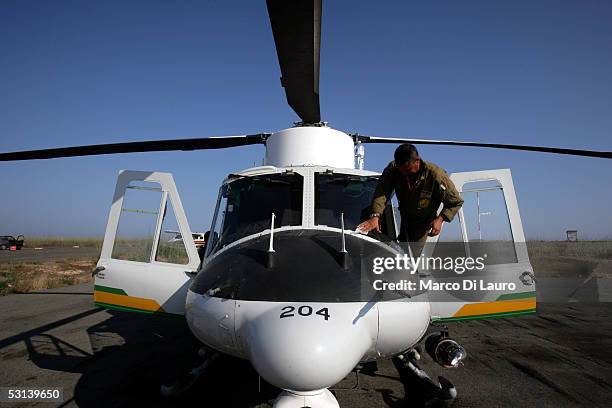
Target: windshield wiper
x,y
346,180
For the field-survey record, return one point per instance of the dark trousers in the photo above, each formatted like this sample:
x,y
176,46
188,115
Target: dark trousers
x,y
415,236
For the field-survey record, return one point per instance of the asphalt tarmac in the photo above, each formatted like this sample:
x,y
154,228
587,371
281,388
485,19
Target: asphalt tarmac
x,y
57,338
48,254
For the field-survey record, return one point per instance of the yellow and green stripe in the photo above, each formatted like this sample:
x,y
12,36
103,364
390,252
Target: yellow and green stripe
x,y
115,298
507,305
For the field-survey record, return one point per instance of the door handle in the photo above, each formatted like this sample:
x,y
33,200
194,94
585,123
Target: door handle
x,y
97,270
191,274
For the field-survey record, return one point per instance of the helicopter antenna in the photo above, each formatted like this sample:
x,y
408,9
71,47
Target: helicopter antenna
x,y
270,258
343,250
271,247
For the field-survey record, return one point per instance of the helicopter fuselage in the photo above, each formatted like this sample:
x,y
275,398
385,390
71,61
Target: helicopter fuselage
x,y
303,313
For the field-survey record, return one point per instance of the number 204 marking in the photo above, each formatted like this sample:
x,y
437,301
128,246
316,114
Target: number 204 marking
x,y
289,311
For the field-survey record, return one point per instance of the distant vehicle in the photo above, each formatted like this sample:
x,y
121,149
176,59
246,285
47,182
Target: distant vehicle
x,y
10,242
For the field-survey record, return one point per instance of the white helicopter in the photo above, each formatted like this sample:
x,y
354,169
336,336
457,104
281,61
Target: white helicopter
x,y
286,279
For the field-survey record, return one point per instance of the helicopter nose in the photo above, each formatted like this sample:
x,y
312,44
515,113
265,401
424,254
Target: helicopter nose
x,y
311,352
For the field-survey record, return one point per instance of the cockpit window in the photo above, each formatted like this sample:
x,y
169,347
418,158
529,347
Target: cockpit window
x,y
246,205
351,195
343,193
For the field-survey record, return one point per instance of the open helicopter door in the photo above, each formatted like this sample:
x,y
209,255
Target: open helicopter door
x,y
498,281
140,269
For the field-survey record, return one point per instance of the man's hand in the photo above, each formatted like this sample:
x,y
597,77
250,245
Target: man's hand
x,y
436,226
369,225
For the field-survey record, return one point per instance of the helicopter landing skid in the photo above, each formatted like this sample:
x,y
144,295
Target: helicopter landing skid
x,y
185,381
413,376
320,399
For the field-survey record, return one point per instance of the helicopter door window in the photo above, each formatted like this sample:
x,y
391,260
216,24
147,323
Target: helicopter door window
x,y
349,194
450,242
246,205
170,247
487,223
138,222
218,219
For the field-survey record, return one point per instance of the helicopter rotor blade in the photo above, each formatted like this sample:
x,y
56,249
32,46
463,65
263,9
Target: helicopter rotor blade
x,y
557,150
296,26
136,147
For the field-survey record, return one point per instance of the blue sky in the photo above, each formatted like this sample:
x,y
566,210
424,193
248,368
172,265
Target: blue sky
x,y
85,72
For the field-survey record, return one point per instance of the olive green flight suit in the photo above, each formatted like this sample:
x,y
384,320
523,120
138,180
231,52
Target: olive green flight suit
x,y
418,206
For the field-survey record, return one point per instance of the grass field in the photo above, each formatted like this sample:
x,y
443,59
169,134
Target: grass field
x,y
26,277
554,258
586,250
60,242
22,277
129,249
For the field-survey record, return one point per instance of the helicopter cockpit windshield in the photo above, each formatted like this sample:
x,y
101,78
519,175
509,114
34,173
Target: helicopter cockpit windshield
x,y
246,205
349,196
306,265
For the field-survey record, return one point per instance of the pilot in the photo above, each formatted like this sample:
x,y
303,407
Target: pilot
x,y
420,187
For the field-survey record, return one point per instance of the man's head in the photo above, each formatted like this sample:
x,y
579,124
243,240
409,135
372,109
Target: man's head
x,y
407,159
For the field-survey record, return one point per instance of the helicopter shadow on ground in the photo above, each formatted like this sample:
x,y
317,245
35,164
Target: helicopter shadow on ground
x,y
133,355
405,392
